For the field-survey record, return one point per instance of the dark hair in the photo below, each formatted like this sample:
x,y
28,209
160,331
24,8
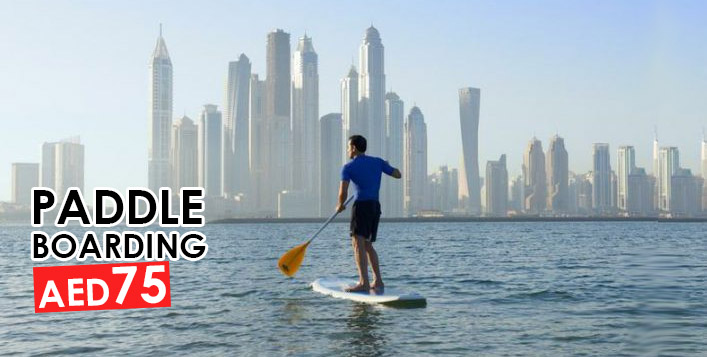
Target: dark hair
x,y
359,142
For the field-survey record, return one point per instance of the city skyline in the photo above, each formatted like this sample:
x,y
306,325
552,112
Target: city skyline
x,y
111,163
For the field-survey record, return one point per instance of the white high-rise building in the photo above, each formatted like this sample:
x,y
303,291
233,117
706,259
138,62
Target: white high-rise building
x,y
668,165
305,123
63,165
25,176
236,153
277,109
469,106
626,167
557,176
443,190
350,120
210,150
258,148
371,92
704,172
534,176
496,184
160,120
415,165
392,190
330,173
656,172
184,156
601,178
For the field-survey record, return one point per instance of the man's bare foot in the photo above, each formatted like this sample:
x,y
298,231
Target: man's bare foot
x,y
378,286
357,288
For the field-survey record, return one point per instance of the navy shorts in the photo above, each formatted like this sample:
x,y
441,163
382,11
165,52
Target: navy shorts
x,y
365,216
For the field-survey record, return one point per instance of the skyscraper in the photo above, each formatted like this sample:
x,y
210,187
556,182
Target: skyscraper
x,y
305,122
415,165
25,176
534,176
184,156
704,172
557,176
626,167
260,201
210,150
443,190
371,91
497,187
350,120
601,178
236,153
392,190
656,172
277,98
668,165
160,120
330,173
63,165
469,105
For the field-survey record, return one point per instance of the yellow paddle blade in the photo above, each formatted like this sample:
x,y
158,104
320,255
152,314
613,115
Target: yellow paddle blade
x,y
289,262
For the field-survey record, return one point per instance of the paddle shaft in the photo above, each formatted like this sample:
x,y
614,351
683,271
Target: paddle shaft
x,y
328,221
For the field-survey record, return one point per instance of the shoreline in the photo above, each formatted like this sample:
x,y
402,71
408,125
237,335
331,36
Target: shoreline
x,y
467,219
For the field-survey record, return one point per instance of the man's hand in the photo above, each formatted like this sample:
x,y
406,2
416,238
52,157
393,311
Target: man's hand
x,y
396,174
340,208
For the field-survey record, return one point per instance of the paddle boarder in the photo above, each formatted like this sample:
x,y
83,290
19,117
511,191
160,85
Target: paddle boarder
x,y
365,172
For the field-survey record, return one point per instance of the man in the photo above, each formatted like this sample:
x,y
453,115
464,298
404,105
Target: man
x,y
365,172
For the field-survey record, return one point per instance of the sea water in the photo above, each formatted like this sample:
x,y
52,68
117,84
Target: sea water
x,y
539,288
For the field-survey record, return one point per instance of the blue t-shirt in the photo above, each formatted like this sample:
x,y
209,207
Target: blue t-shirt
x,y
365,172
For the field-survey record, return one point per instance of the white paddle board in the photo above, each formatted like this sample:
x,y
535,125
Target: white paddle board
x,y
336,287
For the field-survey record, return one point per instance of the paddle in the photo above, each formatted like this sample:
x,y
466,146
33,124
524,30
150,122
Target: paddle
x,y
289,262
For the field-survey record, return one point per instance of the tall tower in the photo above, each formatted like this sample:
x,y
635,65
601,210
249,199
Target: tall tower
x,y
210,150
184,155
704,172
669,164
601,178
305,122
259,149
236,127
469,105
557,176
497,187
626,167
535,187
415,166
331,144
277,110
160,119
350,120
392,191
656,172
371,91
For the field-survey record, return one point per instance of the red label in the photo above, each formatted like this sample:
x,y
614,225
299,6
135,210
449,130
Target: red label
x,y
101,287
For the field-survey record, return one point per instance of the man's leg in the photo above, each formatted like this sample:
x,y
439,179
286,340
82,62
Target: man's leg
x,y
359,248
373,258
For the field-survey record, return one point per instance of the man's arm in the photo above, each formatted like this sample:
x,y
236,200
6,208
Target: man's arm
x,y
343,194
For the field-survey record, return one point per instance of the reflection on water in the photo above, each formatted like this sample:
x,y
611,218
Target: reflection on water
x,y
293,312
367,337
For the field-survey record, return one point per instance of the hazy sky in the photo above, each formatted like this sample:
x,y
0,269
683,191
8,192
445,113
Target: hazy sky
x,y
592,71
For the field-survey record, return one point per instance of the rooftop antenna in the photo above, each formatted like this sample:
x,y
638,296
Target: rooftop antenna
x,y
655,132
160,29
